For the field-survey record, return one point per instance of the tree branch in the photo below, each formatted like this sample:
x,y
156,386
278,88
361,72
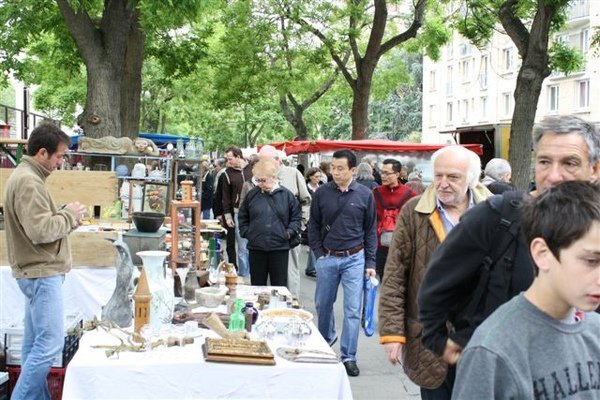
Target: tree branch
x,y
352,38
82,29
410,33
514,27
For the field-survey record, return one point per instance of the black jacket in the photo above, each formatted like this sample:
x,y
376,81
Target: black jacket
x,y
453,272
261,225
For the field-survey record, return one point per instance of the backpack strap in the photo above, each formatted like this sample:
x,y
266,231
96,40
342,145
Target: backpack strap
x,y
507,236
325,230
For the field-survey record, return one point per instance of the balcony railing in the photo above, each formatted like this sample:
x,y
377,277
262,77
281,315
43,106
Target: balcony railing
x,y
579,9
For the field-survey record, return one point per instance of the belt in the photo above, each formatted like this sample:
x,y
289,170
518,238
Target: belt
x,y
345,253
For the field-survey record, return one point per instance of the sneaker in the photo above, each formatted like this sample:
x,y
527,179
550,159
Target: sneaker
x,y
312,274
351,368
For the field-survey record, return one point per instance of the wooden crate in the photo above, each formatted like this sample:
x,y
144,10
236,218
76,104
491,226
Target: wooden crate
x,y
92,188
88,249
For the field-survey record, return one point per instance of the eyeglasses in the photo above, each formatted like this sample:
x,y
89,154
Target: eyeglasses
x,y
261,180
386,173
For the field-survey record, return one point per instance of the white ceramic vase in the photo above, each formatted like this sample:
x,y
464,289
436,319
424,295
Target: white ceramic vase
x,y
163,300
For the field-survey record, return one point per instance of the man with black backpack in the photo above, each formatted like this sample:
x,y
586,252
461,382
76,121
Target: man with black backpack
x,y
484,261
389,199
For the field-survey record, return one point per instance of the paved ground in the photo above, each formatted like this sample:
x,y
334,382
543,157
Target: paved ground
x,y
378,378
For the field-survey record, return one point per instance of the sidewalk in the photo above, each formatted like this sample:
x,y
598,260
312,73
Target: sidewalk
x,y
378,379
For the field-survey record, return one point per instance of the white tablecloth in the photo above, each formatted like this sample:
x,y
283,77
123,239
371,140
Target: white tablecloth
x,y
85,291
182,373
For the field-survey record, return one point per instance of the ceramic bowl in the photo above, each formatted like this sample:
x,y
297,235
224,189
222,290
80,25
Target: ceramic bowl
x,y
147,221
210,297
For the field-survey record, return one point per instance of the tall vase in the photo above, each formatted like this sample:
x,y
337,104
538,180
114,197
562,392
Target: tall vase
x,y
163,301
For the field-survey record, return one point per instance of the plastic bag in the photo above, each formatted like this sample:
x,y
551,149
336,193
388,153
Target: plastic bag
x,y
370,297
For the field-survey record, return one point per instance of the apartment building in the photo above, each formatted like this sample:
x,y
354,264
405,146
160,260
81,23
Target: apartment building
x,y
468,93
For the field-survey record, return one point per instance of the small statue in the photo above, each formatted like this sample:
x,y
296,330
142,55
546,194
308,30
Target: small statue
x,y
118,309
105,145
121,145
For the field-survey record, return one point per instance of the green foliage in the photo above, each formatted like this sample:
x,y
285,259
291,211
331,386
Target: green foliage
x,y
565,58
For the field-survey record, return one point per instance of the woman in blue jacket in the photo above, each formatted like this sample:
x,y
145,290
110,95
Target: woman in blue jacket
x,y
269,216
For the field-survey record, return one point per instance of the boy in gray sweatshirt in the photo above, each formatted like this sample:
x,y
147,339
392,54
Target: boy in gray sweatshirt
x,y
545,343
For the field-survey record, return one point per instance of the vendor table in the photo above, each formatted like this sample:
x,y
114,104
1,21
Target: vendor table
x,y
85,291
182,373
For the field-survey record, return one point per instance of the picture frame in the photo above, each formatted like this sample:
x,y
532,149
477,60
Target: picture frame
x,y
156,197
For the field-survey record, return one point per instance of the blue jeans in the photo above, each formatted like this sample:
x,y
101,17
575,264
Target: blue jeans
x,y
242,250
350,271
206,214
43,337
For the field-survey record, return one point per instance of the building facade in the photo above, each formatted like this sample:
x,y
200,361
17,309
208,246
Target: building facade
x,y
468,93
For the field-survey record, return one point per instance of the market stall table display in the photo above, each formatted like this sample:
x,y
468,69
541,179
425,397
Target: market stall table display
x,y
182,372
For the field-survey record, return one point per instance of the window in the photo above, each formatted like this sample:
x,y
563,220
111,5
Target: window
x,y
583,94
483,107
449,107
432,81
507,59
506,103
584,43
465,110
464,49
483,73
432,115
449,79
553,98
450,50
465,70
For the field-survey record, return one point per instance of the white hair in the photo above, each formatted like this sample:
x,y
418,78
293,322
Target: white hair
x,y
474,161
497,167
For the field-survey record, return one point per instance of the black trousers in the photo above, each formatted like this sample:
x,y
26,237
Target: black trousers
x,y
230,242
444,392
380,257
268,264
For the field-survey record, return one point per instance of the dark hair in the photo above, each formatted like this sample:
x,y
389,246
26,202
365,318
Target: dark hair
x,y
577,203
348,155
396,165
311,171
47,136
236,151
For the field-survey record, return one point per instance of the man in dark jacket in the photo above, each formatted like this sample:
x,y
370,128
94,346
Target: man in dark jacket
x,y
238,171
566,148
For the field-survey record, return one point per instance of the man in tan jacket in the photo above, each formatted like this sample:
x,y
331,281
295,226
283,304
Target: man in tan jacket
x,y
39,255
423,224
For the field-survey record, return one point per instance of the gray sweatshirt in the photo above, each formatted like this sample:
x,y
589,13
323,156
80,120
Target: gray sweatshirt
x,y
519,352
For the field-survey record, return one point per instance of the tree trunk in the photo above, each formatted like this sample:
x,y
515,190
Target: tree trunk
x,y
131,89
101,115
360,103
527,93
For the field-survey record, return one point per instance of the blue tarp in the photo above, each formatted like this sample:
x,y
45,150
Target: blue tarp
x,y
160,139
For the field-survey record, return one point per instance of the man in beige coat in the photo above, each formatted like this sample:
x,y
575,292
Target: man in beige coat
x,y
423,224
39,255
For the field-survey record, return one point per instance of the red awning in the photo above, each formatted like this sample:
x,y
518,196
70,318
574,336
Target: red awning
x,y
374,145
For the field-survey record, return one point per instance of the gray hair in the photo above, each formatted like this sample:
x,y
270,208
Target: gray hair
x,y
497,167
220,162
564,124
474,161
364,172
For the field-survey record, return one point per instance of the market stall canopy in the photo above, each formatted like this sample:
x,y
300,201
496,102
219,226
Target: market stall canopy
x,y
369,145
160,139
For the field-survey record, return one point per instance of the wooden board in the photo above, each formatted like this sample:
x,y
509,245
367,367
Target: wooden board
x,y
92,188
238,351
88,249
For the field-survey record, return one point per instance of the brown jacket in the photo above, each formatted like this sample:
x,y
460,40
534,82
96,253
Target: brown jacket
x,y
36,231
418,233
